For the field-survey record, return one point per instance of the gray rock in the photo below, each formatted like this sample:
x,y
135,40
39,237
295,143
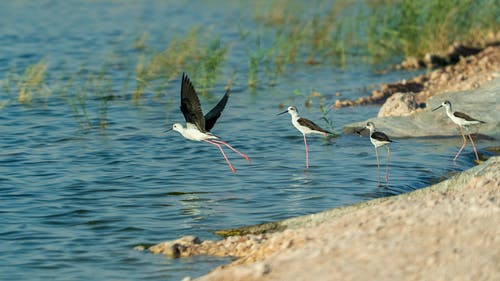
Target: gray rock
x,y
481,103
399,104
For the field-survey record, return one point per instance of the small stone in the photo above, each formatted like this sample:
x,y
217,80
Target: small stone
x,y
175,248
411,63
377,94
435,74
140,248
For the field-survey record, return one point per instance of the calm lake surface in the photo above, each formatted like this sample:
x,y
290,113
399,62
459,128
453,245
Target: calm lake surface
x,y
74,202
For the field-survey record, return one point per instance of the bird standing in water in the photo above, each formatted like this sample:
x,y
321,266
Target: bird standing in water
x,y
379,139
463,121
198,126
305,126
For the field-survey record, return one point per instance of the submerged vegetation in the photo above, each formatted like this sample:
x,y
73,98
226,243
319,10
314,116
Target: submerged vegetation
x,y
286,34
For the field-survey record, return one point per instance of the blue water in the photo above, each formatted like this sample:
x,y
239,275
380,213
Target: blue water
x,y
75,201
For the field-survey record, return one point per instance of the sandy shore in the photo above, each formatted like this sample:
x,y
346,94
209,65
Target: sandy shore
x,y
448,231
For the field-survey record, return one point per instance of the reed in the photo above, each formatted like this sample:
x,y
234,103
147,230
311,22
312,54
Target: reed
x,y
325,117
31,83
300,33
190,53
78,104
212,60
140,41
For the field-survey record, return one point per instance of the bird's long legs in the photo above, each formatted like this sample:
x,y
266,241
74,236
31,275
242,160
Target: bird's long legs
x,y
387,164
378,163
223,154
307,152
463,145
474,147
233,149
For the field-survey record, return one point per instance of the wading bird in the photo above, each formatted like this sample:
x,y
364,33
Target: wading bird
x,y
198,126
379,139
305,126
463,121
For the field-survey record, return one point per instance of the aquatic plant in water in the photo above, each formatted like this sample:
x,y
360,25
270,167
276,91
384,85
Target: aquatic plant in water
x,y
31,83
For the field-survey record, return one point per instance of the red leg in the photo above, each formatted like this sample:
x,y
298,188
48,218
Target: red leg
x,y
474,146
233,149
463,145
223,154
378,164
307,152
387,164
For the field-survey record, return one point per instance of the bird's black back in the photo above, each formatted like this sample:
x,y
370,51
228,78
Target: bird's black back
x,y
380,136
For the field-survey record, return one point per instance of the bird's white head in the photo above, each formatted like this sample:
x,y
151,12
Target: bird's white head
x,y
370,126
178,127
292,110
446,104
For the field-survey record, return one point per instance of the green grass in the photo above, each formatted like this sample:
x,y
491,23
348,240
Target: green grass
x,y
414,28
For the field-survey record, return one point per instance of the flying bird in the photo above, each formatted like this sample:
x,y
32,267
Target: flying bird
x,y
198,126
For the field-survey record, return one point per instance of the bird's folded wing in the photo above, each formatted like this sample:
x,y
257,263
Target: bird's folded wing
x,y
310,124
464,116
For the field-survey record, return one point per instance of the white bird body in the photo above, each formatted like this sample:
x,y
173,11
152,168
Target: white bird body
x,y
303,129
305,126
192,133
378,139
460,121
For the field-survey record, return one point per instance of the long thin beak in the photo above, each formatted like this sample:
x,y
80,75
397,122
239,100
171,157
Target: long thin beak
x,y
168,130
282,112
437,108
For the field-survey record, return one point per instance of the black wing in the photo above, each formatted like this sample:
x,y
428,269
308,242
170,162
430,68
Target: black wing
x,y
214,114
310,124
466,117
190,104
380,136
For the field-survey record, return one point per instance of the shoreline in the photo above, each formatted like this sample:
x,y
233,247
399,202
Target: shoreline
x,y
444,231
